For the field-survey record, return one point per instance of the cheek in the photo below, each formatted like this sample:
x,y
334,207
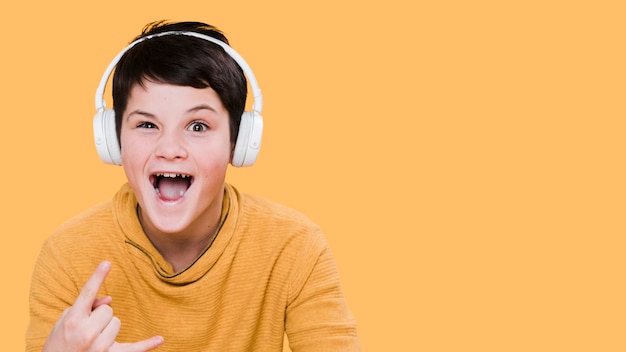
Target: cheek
x,y
133,152
211,152
213,162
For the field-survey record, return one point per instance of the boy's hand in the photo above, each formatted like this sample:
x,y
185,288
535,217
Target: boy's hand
x,y
89,325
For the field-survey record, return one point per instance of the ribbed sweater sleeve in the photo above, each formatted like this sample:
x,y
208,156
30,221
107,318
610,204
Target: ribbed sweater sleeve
x,y
64,263
45,309
317,317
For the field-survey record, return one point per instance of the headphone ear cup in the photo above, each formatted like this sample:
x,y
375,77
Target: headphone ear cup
x,y
248,140
105,137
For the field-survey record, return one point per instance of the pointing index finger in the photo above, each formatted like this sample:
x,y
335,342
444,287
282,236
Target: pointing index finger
x,y
85,300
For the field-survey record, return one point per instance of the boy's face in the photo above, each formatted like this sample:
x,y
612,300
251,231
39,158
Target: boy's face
x,y
175,152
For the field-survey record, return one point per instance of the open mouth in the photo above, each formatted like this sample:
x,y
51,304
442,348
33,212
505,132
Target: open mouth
x,y
171,186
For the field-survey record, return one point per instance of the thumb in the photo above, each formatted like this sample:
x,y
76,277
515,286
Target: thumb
x,y
140,346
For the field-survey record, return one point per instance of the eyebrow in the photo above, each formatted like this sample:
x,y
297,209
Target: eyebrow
x,y
152,116
140,112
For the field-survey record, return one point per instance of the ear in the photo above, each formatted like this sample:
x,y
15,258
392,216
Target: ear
x,y
232,152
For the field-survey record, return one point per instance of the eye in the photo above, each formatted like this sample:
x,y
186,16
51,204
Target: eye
x,y
198,126
146,125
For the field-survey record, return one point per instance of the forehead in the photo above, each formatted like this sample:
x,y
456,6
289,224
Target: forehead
x,y
168,97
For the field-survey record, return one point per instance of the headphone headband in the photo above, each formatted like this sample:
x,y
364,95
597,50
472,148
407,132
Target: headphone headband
x,y
257,105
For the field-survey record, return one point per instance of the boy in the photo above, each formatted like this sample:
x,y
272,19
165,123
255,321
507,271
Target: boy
x,y
183,261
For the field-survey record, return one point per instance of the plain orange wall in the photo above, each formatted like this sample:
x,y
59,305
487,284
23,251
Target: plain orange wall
x,y
465,158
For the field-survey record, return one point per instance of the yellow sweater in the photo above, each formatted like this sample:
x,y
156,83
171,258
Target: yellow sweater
x,y
268,271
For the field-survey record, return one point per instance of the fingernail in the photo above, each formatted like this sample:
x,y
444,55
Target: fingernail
x,y
105,265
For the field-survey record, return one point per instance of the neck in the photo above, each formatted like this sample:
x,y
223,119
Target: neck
x,y
181,249
182,253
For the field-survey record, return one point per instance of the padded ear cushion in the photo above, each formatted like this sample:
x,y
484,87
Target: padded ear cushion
x,y
106,137
248,140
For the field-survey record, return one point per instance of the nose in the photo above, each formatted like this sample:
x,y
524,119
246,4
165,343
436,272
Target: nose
x,y
170,147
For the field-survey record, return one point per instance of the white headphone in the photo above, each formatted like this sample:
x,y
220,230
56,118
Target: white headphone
x,y
250,130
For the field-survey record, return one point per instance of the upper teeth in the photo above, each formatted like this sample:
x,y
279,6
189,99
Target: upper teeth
x,y
172,175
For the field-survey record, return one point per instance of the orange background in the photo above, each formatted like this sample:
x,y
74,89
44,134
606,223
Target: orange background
x,y
465,158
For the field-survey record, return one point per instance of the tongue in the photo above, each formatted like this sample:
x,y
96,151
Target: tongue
x,y
172,188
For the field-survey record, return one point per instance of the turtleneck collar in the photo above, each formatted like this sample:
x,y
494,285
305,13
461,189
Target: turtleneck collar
x,y
125,214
